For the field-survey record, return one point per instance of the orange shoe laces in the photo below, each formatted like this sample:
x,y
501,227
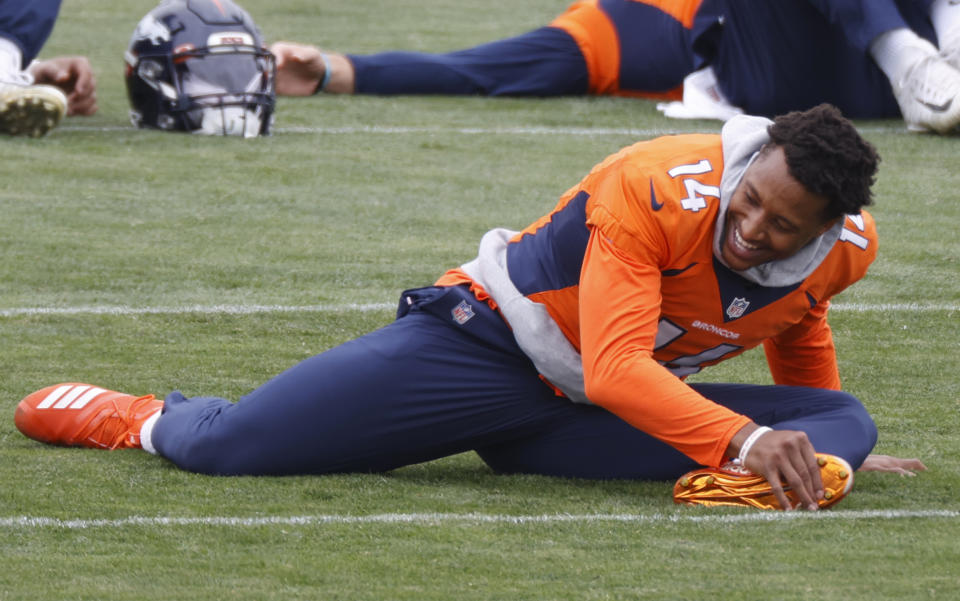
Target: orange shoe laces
x,y
111,428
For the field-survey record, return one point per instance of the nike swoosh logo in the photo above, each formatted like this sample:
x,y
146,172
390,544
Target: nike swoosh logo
x,y
937,108
656,206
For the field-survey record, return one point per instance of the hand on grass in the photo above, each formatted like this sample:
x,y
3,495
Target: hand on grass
x,y
299,68
896,465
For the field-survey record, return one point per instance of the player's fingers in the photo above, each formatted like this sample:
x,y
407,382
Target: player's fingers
x,y
801,482
773,477
81,105
286,52
84,83
787,454
896,465
812,467
912,465
281,51
58,77
799,466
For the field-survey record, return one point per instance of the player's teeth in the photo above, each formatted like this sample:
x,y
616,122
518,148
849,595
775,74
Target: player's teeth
x,y
741,241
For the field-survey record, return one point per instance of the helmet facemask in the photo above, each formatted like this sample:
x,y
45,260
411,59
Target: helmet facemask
x,y
225,86
226,90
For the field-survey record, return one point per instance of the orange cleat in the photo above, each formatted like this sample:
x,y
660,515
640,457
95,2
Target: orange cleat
x,y
81,415
732,485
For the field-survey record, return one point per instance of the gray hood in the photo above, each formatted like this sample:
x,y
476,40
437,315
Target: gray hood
x,y
743,136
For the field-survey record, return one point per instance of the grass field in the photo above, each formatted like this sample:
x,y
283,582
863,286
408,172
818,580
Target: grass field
x,y
147,261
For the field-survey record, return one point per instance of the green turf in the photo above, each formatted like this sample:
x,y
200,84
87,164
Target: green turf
x,y
353,200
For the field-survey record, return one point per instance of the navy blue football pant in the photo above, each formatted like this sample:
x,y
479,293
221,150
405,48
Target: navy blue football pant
x,y
544,62
427,386
770,57
28,23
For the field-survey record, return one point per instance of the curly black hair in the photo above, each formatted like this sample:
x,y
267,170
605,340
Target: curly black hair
x,y
826,155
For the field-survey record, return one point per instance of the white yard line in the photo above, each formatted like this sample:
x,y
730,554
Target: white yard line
x,y
196,309
440,519
490,131
894,307
367,307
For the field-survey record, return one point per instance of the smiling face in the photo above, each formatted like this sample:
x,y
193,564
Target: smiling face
x,y
771,215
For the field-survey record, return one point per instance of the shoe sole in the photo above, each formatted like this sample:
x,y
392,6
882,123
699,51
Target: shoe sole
x,y
32,111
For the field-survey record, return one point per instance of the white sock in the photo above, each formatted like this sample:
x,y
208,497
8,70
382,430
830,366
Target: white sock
x,y
146,433
899,49
945,16
11,60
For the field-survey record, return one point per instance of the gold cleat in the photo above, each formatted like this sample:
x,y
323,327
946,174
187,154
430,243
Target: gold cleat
x,y
734,486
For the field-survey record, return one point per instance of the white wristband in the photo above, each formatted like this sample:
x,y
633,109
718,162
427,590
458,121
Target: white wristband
x,y
748,443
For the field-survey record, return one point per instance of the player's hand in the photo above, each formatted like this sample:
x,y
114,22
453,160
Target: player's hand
x,y
896,465
300,68
787,455
73,75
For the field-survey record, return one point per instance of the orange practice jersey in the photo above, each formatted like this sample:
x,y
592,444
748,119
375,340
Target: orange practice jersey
x,y
608,31
624,265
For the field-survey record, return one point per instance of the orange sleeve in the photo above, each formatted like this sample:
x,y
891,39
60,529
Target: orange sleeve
x,y
620,307
804,355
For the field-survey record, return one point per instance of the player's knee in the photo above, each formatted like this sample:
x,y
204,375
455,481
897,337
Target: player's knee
x,y
860,431
861,415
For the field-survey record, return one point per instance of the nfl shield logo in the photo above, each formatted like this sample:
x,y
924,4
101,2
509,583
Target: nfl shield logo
x,y
462,312
737,307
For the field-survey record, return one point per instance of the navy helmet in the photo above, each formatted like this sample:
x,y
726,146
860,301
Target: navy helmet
x,y
200,66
